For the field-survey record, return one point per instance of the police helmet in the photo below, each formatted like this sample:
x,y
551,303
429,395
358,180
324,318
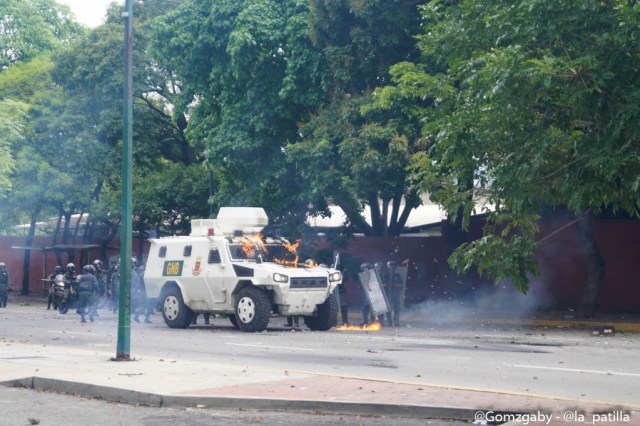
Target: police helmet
x,y
87,269
97,264
365,266
134,262
71,267
58,269
3,266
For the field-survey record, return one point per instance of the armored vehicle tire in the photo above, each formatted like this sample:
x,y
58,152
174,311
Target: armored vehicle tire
x,y
252,310
175,313
234,321
326,316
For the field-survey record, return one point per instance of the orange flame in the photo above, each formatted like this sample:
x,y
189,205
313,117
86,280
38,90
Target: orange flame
x,y
291,247
249,245
374,326
293,263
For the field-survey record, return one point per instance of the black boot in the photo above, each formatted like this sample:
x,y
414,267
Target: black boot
x,y
345,317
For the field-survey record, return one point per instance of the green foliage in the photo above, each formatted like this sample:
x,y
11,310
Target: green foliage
x,y
171,196
534,102
249,76
31,27
12,121
360,39
69,157
354,150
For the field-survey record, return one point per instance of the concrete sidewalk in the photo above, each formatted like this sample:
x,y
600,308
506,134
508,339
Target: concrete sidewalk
x,y
175,383
178,383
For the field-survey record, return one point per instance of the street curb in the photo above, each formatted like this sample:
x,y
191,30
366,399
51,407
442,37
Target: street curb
x,y
569,324
310,406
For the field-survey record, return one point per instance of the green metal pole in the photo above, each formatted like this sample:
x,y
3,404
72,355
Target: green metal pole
x,y
124,317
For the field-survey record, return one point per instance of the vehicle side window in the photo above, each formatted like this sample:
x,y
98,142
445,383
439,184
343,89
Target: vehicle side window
x,y
214,256
187,251
162,252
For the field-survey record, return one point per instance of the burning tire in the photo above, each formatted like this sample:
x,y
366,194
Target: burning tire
x,y
175,313
326,316
252,310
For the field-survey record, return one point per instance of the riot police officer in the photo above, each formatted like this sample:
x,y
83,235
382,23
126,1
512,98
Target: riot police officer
x,y
87,287
52,279
4,285
140,304
70,286
394,294
100,285
114,287
344,308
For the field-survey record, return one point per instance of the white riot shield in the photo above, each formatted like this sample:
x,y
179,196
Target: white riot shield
x,y
372,287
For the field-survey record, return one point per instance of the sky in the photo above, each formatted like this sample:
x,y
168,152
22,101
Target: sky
x,y
89,12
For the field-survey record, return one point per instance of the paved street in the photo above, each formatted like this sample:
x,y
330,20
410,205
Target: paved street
x,y
472,366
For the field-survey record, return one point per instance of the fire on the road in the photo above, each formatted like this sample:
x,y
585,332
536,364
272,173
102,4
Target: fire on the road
x,y
374,326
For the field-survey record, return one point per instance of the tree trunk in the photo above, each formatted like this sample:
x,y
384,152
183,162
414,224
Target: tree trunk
x,y
376,214
54,238
66,233
595,267
26,263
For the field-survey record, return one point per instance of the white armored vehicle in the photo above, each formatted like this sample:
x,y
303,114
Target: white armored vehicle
x,y
225,266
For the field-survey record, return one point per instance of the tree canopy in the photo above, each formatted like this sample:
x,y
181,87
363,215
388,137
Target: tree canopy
x,y
31,27
538,101
297,104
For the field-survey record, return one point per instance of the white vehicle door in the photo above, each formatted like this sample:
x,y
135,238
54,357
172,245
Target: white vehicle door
x,y
214,280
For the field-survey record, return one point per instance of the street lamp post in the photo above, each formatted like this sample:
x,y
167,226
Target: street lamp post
x,y
124,317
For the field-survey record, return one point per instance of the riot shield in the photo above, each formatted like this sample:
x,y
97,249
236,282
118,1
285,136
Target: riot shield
x,y
372,287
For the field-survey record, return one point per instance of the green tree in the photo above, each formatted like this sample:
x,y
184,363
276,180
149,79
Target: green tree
x,y
12,117
249,76
31,27
358,160
353,153
539,101
91,71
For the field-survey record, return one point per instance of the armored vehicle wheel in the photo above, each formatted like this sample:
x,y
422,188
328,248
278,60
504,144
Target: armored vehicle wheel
x,y
326,317
252,310
233,320
175,313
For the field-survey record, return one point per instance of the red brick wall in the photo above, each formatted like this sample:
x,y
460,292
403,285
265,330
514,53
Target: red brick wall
x,y
14,259
561,261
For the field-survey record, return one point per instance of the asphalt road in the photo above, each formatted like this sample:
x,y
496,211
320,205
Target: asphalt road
x,y
552,362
